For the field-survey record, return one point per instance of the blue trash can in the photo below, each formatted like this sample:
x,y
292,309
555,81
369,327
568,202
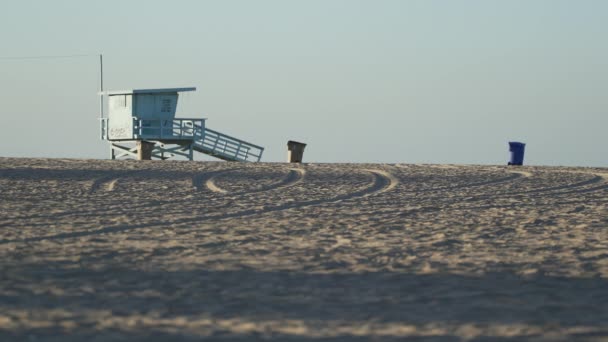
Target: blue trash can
x,y
517,152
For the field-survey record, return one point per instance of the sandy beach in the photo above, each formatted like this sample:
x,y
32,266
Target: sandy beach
x,y
99,250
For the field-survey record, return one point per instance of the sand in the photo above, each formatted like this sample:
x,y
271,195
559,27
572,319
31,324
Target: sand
x,y
124,250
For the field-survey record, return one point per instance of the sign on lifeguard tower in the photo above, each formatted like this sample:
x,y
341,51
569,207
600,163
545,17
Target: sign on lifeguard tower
x,y
146,117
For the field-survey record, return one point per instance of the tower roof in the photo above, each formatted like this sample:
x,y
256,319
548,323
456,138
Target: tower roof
x,y
150,91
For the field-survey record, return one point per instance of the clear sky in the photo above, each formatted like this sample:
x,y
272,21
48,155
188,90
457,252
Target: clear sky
x,y
359,81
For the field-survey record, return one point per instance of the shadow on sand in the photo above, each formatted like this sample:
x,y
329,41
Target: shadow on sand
x,y
321,301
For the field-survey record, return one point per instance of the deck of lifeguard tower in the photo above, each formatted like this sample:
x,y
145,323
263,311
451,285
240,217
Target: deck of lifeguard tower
x,y
148,116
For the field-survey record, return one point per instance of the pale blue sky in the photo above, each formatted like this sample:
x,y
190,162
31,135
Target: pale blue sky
x,y
359,81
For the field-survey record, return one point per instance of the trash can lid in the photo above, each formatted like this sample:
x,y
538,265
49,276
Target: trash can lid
x,y
516,143
295,143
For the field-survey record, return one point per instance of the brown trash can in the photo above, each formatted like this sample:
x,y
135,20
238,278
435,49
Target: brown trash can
x,y
295,151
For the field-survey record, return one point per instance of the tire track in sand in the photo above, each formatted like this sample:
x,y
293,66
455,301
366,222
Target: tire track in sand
x,y
294,176
109,183
598,178
510,178
106,183
382,181
572,188
204,180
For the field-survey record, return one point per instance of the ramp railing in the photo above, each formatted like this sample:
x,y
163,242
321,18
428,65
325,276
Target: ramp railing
x,y
174,129
225,147
190,131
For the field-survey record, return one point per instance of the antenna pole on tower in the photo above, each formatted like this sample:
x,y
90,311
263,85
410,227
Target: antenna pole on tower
x,y
101,86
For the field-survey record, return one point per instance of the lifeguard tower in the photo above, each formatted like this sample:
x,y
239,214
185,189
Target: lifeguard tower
x,y
146,117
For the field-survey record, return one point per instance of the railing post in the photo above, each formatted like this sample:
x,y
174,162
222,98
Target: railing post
x,y
237,150
217,139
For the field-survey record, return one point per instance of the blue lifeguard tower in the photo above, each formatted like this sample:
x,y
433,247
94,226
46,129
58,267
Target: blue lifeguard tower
x,y
146,118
